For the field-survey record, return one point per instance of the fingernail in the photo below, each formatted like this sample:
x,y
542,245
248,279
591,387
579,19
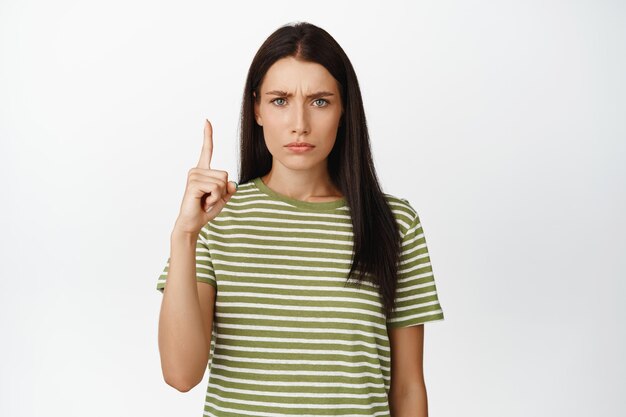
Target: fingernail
x,y
236,185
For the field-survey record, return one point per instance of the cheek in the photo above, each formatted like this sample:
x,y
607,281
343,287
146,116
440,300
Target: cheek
x,y
325,120
273,132
328,127
274,117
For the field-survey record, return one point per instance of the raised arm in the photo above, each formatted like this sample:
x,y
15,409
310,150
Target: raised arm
x,y
187,308
186,317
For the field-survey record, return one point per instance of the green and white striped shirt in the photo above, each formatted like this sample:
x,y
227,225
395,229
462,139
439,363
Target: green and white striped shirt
x,y
290,337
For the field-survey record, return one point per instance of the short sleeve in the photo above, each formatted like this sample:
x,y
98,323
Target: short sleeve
x,y
204,265
416,294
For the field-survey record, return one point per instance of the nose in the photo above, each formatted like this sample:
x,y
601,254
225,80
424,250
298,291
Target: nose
x,y
300,121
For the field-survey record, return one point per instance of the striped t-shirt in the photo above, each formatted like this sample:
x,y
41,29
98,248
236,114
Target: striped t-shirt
x,y
289,337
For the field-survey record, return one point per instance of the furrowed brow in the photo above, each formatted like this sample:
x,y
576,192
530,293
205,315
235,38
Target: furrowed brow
x,y
314,95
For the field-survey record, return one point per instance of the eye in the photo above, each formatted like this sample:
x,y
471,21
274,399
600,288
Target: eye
x,y
323,100
274,101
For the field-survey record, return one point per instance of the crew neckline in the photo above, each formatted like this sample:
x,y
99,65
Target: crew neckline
x,y
325,205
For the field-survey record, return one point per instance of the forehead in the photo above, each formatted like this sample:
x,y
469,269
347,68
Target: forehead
x,y
291,74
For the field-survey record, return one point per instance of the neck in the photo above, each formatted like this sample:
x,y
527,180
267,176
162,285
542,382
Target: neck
x,y
302,185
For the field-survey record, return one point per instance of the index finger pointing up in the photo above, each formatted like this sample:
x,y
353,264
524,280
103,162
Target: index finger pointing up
x,y
207,147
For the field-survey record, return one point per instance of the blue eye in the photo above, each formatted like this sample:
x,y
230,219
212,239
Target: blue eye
x,y
324,102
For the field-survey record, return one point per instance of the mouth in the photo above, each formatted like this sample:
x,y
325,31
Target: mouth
x,y
299,145
300,148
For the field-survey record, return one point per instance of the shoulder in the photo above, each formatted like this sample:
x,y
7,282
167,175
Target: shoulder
x,y
404,213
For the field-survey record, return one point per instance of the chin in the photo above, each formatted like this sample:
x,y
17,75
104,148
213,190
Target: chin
x,y
299,165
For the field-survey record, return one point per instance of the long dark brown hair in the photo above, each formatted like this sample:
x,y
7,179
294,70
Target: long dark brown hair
x,y
351,168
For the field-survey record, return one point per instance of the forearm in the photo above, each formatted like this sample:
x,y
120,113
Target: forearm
x,y
182,342
409,402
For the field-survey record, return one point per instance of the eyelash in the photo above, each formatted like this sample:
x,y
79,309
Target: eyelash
x,y
317,99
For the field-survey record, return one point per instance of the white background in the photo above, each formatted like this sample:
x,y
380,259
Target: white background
x,y
502,122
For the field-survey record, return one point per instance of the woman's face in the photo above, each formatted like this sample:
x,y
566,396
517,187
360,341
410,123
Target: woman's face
x,y
299,102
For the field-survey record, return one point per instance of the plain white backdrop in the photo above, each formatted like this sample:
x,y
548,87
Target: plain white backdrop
x,y
502,122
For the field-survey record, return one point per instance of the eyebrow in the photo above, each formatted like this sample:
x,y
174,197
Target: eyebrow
x,y
285,94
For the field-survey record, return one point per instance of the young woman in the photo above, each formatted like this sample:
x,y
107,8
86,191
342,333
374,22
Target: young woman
x,y
303,288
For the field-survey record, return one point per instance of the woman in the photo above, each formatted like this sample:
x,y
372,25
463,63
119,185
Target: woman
x,y
303,289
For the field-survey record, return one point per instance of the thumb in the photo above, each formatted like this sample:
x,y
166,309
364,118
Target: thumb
x,y
232,188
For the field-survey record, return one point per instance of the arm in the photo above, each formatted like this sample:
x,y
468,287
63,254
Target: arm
x,y
186,317
407,395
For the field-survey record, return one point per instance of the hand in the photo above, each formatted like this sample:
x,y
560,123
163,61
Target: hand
x,y
208,190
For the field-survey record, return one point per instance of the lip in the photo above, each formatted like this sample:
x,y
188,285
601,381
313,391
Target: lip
x,y
300,149
299,145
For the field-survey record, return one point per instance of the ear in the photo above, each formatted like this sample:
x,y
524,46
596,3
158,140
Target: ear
x,y
257,116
